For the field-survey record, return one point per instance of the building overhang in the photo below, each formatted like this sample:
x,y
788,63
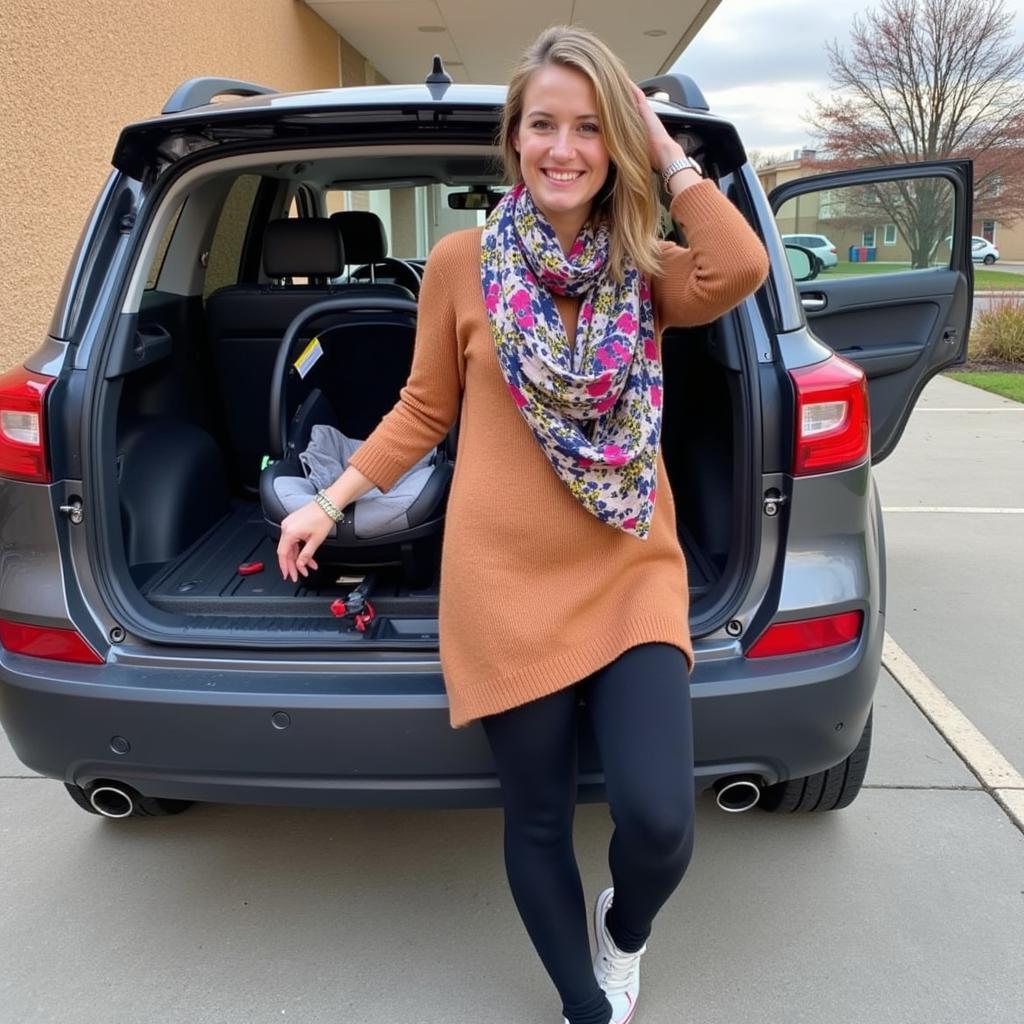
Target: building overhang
x,y
479,40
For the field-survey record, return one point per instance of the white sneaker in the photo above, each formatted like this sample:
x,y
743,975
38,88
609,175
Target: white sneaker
x,y
618,973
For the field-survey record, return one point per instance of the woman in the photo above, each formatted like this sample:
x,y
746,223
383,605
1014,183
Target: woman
x,y
562,577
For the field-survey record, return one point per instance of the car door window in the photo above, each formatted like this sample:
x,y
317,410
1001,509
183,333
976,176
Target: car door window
x,y
916,213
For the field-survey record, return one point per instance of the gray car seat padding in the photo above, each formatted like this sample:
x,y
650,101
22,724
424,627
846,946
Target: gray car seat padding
x,y
375,514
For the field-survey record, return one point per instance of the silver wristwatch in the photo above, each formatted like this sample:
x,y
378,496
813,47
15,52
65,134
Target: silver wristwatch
x,y
678,165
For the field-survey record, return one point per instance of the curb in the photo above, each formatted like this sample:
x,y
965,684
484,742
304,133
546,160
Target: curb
x,y
997,776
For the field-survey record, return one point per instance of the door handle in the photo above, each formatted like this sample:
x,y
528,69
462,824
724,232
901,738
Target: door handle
x,y
814,302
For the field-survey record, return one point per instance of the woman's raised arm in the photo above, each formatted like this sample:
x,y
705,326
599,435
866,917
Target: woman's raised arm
x,y
723,263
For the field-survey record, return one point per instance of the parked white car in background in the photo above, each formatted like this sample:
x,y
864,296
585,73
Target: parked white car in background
x,y
819,245
983,250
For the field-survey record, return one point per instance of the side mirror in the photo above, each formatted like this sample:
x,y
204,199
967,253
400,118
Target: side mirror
x,y
803,264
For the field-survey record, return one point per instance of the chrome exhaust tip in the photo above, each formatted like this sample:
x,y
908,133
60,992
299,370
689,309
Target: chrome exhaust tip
x,y
111,801
737,793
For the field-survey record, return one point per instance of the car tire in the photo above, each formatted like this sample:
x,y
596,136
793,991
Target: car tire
x,y
990,259
144,806
829,790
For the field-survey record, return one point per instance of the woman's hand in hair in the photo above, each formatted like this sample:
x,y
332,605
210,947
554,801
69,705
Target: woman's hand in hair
x,y
662,149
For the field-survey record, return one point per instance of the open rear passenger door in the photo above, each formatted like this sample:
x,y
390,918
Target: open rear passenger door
x,y
897,300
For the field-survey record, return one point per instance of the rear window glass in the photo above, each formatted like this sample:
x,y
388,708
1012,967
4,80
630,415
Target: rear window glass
x,y
161,253
226,248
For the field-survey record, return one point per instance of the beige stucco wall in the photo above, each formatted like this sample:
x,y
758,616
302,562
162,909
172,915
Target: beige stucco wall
x,y
1009,240
355,68
72,73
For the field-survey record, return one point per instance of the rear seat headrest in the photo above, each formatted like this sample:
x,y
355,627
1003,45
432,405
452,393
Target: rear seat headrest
x,y
302,247
362,234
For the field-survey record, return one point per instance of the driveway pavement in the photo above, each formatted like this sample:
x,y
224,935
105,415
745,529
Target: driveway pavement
x,y
908,906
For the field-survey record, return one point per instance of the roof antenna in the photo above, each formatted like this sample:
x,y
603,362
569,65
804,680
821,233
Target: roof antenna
x,y
438,75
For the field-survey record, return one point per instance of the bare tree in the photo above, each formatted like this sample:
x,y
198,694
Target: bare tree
x,y
760,160
930,80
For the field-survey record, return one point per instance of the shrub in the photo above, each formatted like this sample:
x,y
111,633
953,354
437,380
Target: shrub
x,y
998,332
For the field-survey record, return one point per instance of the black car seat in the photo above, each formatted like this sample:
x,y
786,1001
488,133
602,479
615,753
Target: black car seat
x,y
246,322
367,337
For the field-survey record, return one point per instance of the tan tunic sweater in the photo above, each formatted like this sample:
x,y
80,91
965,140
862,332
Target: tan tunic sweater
x,y
535,592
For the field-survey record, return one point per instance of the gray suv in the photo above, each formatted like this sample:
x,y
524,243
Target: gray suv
x,y
250,270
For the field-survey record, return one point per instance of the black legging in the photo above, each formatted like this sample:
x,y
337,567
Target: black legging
x,y
640,709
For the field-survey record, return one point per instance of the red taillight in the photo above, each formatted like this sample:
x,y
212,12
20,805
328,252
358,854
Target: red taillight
x,y
46,642
22,425
807,635
833,429
832,249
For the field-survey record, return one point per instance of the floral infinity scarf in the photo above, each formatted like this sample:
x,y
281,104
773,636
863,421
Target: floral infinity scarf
x,y
595,409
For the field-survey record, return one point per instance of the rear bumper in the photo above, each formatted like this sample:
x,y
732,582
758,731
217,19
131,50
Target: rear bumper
x,y
378,733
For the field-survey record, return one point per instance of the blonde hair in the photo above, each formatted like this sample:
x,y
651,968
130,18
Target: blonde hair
x,y
627,201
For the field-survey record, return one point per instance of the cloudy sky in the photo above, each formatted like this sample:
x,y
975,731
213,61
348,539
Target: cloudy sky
x,y
757,61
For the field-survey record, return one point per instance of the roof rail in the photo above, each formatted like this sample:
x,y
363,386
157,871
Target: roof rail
x,y
681,90
197,92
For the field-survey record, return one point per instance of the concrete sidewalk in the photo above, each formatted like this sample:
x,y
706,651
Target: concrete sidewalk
x,y
956,579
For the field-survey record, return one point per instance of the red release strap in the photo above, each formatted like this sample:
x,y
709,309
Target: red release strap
x,y
362,618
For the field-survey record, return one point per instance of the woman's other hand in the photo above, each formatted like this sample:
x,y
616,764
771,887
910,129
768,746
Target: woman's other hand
x,y
662,149
304,529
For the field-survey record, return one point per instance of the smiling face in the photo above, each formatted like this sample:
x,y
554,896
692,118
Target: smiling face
x,y
562,154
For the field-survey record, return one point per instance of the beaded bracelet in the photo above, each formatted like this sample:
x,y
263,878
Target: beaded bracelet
x,y
328,506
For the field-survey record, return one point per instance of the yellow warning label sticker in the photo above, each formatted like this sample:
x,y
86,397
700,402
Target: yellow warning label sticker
x,y
307,360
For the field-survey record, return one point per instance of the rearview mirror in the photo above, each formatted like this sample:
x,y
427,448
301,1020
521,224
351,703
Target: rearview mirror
x,y
475,199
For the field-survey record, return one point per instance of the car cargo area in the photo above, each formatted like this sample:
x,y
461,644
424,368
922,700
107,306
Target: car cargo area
x,y
187,527
205,581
